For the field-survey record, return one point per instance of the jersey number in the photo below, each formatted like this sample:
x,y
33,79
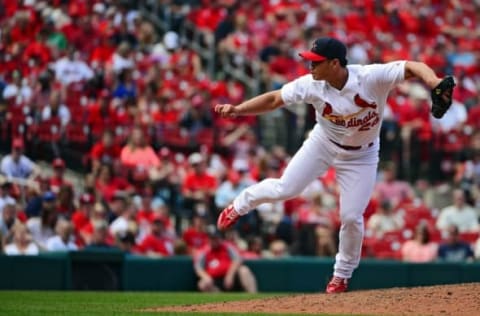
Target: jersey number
x,y
368,125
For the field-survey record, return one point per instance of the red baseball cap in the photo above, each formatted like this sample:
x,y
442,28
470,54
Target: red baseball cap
x,y
58,163
18,143
326,48
87,198
159,218
164,152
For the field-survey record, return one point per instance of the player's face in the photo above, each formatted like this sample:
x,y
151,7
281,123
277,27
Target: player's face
x,y
320,69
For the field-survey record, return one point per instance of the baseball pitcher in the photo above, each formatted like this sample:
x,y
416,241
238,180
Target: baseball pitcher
x,y
349,101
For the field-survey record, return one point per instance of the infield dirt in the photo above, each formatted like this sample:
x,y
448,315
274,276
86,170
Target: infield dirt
x,y
457,299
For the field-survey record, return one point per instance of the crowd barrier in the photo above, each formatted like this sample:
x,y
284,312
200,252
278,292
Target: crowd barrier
x,y
115,271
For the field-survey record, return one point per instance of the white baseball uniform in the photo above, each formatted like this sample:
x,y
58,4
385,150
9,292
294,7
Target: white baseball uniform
x,y
347,117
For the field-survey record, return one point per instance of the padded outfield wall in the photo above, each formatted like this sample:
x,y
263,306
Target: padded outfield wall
x,y
115,271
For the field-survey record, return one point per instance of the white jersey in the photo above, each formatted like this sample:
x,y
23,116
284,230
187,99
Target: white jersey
x,y
351,116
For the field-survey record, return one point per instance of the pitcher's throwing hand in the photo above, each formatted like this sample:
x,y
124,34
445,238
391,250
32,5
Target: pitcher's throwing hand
x,y
225,110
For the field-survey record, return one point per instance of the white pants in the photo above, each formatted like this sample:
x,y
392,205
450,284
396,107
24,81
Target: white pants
x,y
356,174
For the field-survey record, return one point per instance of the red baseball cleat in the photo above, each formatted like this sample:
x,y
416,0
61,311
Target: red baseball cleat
x,y
337,285
227,218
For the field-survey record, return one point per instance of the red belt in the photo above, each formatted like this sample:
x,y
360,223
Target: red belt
x,y
346,147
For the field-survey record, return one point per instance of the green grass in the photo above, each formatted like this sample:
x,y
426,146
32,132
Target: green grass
x,y
13,303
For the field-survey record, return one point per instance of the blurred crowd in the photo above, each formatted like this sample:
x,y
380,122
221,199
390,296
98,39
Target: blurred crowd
x,y
97,82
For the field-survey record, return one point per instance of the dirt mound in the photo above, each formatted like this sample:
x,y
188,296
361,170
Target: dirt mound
x,y
457,299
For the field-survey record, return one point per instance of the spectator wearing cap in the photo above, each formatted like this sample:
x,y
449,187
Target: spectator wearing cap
x,y
63,239
81,216
219,267
157,243
145,205
34,197
16,164
58,178
199,187
43,227
22,243
137,153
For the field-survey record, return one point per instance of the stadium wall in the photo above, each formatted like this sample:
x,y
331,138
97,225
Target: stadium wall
x,y
115,271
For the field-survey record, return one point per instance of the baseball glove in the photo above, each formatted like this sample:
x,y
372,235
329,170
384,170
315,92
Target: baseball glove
x,y
442,97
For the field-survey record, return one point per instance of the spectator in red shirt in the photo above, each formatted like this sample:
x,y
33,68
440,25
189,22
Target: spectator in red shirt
x,y
393,190
156,243
65,200
58,179
219,268
81,216
254,248
195,236
98,215
105,151
100,115
198,187
38,50
107,184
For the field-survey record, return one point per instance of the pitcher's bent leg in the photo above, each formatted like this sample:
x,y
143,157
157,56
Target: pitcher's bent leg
x,y
306,165
356,187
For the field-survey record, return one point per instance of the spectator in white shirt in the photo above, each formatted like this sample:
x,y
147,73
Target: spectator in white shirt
x,y
22,242
18,89
124,222
17,165
71,68
384,220
56,109
63,240
122,59
459,214
43,227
